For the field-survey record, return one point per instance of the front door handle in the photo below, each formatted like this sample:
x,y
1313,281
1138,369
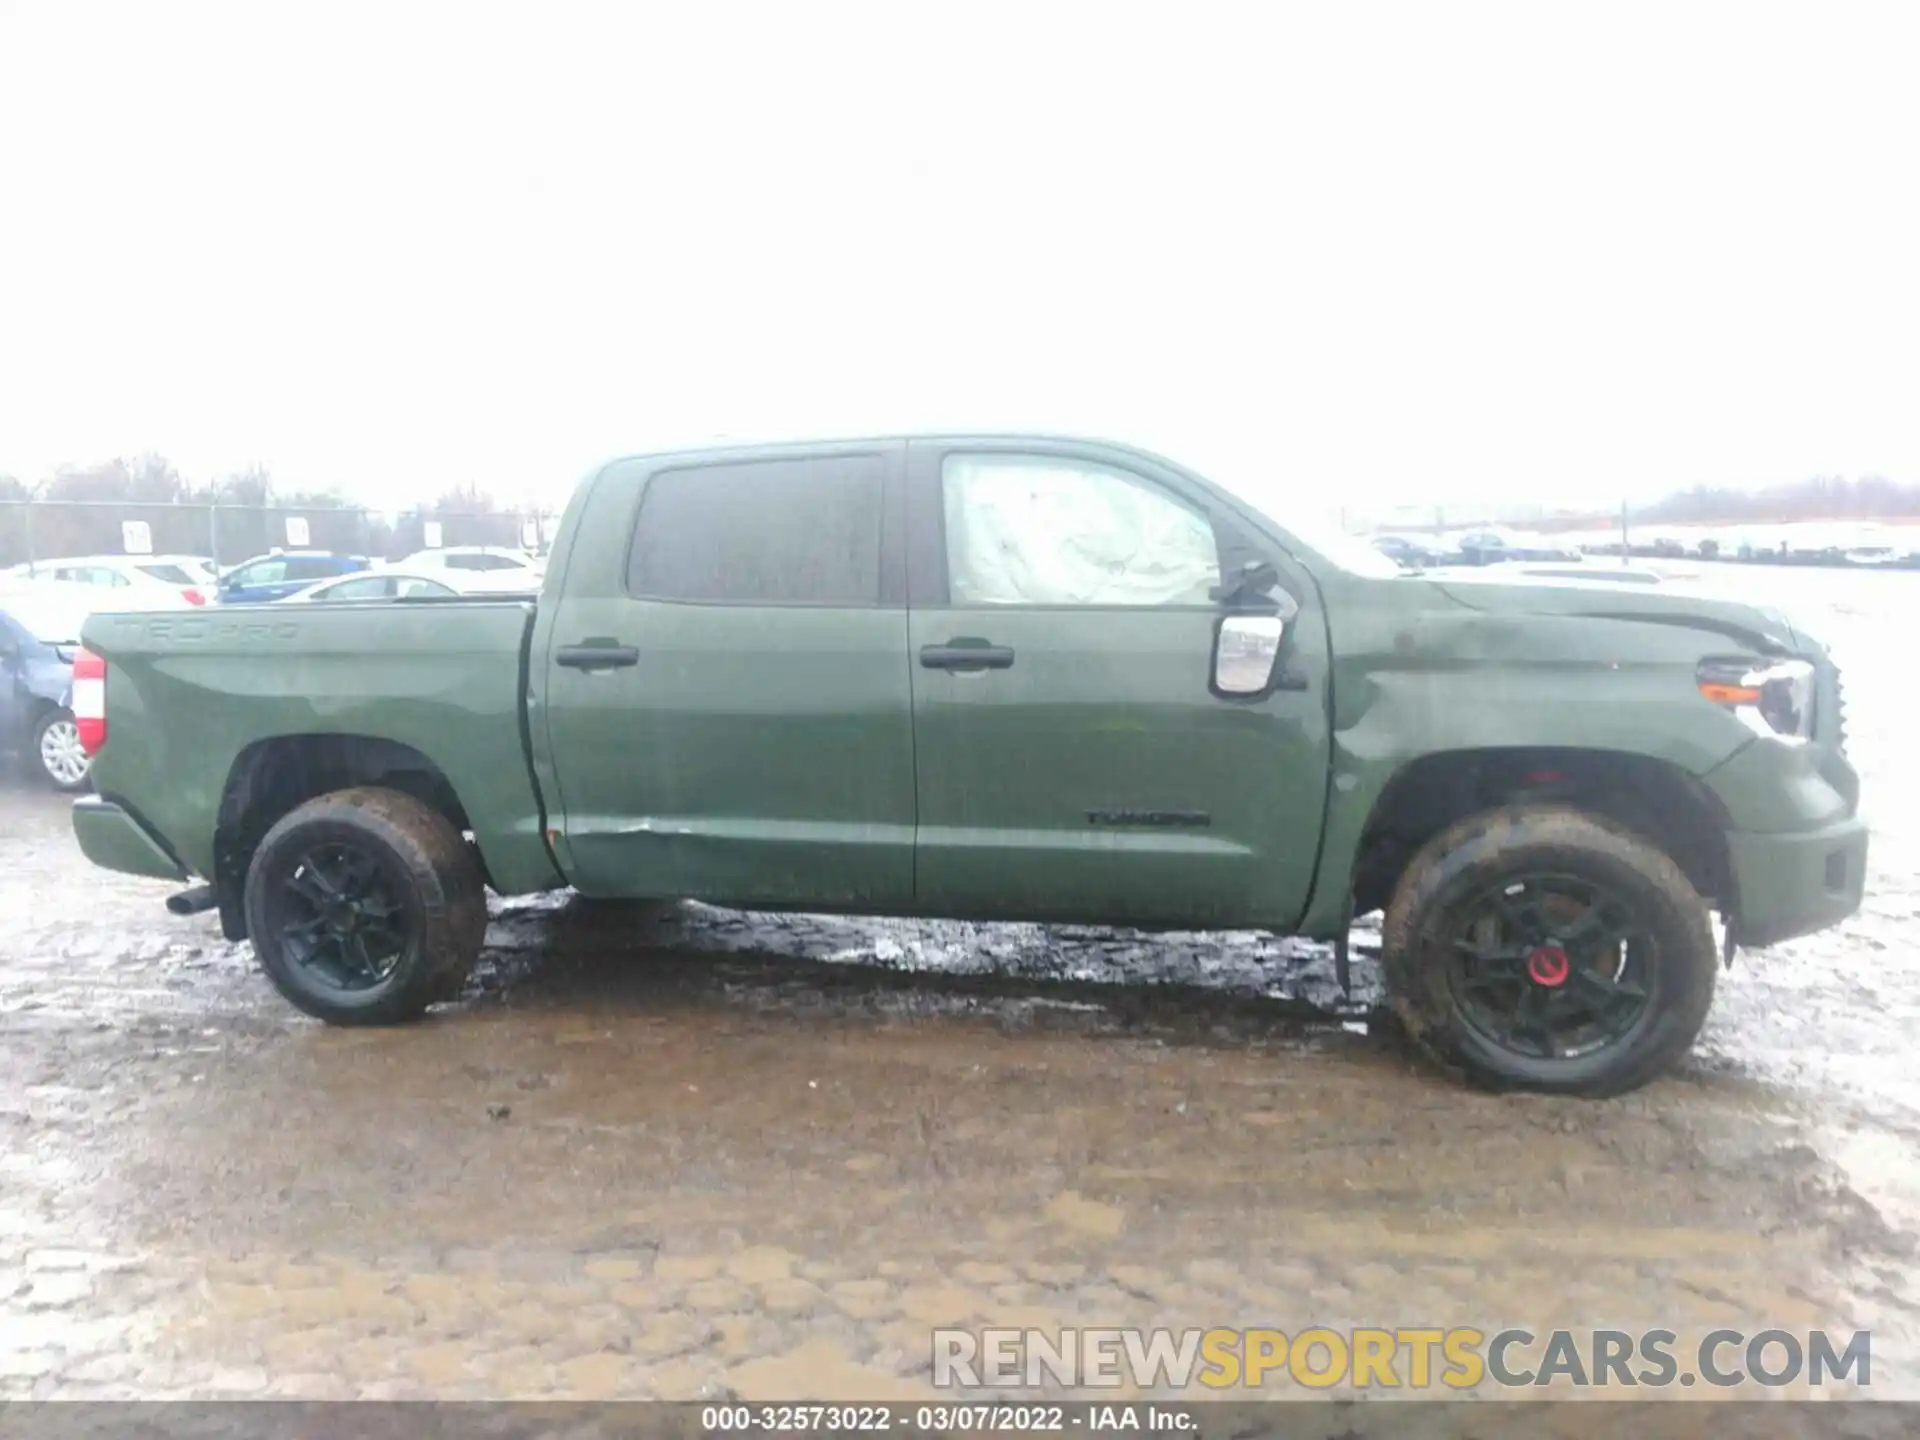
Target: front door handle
x,y
597,655
966,653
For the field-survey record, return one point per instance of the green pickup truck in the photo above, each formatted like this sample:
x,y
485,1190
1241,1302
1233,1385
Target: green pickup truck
x,y
1000,678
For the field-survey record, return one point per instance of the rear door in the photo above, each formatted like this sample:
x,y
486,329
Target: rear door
x,y
1073,758
727,710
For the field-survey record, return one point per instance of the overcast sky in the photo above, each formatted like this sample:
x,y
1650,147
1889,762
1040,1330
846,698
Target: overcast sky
x,y
1349,252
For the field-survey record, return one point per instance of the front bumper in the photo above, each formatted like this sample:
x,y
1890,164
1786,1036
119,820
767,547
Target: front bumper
x,y
1793,884
114,840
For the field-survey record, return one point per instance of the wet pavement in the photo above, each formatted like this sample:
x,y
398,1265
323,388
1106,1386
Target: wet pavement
x,y
714,1154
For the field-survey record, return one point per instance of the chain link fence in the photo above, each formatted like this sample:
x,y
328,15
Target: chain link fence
x,y
36,531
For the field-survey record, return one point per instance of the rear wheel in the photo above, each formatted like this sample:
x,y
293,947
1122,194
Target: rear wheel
x,y
365,907
1547,949
58,751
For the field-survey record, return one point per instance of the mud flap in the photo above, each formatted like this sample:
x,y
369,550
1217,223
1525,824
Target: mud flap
x,y
1342,961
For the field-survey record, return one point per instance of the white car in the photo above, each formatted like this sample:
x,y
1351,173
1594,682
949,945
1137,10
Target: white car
x,y
505,569
1875,556
133,582
370,585
395,582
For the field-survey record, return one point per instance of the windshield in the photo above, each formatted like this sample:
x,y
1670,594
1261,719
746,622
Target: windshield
x,y
1352,553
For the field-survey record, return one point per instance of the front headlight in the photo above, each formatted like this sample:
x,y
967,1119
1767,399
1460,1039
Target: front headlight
x,y
1774,698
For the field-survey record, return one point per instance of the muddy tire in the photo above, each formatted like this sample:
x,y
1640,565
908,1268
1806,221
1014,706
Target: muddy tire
x,y
1546,949
365,907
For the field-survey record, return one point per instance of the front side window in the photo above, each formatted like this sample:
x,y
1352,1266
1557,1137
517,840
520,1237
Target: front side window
x,y
762,532
413,586
1044,530
483,562
314,567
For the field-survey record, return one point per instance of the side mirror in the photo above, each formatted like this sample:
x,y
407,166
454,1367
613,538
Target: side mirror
x,y
1245,650
1257,578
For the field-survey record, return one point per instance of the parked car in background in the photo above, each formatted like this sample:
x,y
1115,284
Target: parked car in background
x,y
150,582
200,568
39,635
276,575
1408,554
527,570
1875,556
1491,547
395,582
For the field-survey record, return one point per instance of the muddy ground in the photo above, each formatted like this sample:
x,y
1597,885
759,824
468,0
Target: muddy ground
x,y
764,1156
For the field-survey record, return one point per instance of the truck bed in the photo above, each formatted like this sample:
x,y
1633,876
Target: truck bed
x,y
191,695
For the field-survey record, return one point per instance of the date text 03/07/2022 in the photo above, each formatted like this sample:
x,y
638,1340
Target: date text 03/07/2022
x,y
946,1419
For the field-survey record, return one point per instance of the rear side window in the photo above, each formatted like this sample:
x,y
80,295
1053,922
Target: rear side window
x,y
315,567
764,532
91,575
482,562
267,572
171,574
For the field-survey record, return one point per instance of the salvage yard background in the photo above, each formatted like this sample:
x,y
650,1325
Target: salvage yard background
x,y
765,1156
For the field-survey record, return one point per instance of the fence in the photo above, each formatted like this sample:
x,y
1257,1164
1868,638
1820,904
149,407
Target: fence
x,y
40,530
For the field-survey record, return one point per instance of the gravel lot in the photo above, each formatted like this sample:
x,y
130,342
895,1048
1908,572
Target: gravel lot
x,y
763,1156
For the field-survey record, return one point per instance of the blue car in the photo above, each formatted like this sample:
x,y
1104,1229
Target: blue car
x,y
270,577
37,645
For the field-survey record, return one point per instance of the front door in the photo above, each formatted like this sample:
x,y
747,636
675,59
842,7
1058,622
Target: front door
x,y
1073,759
727,708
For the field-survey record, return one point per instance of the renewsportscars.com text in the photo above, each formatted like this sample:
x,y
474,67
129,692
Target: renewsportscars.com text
x,y
1416,1358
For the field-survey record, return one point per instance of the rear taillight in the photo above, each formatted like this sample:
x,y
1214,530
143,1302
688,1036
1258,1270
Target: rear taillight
x,y
194,597
90,700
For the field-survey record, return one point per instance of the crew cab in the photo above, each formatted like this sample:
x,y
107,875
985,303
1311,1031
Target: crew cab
x,y
1001,678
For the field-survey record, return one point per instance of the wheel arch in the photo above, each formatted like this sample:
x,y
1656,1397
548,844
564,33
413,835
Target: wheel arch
x,y
273,776
1655,798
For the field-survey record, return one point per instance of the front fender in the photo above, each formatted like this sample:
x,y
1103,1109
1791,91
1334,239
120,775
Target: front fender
x,y
1436,683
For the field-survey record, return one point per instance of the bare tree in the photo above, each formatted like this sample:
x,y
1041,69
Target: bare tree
x,y
251,486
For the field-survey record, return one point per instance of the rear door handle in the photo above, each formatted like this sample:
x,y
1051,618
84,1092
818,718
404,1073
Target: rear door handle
x,y
966,653
596,655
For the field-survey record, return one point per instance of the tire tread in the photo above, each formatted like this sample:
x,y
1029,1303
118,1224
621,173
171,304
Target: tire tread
x,y
1422,1006
451,893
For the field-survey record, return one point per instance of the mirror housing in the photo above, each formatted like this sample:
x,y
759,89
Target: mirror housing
x,y
1253,585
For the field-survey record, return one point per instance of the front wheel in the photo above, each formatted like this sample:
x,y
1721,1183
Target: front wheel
x,y
365,907
1548,949
59,753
